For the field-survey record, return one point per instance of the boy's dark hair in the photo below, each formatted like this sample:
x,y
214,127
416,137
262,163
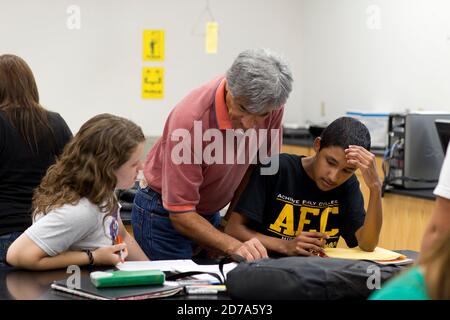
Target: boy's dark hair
x,y
343,132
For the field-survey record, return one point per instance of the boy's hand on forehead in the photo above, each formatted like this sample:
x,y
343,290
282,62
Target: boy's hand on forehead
x,y
364,161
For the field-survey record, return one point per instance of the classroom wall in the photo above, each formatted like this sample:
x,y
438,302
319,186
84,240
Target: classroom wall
x,y
339,60
97,69
347,62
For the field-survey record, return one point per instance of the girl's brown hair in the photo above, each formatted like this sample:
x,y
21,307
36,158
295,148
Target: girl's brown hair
x,y
19,101
87,166
437,268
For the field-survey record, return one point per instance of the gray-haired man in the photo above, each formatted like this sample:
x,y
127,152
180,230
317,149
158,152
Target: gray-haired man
x,y
194,169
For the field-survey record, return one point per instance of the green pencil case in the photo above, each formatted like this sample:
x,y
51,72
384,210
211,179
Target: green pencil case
x,y
117,278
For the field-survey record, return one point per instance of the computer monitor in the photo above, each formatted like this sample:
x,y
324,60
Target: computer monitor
x,y
423,156
443,129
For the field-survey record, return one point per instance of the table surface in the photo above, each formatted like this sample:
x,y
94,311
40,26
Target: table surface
x,y
18,284
35,285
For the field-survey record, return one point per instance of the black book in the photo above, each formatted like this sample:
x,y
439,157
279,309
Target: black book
x,y
89,291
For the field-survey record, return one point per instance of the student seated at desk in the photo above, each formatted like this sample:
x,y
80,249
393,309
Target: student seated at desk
x,y
76,214
312,201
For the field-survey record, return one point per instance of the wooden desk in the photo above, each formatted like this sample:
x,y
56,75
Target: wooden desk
x,y
404,221
404,218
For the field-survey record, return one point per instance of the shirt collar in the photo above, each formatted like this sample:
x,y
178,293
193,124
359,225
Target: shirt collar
x,y
223,119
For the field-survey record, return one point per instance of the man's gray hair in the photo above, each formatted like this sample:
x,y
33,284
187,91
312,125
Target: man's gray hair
x,y
261,78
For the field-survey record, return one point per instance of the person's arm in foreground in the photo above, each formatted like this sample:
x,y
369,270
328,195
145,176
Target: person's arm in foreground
x,y
438,225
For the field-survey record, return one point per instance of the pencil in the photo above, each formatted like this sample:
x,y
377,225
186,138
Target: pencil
x,y
119,241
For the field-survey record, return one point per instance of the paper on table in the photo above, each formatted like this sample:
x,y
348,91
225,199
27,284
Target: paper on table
x,y
163,265
177,266
400,261
358,254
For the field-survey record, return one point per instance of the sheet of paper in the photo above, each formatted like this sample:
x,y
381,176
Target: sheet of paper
x,y
358,254
212,37
177,266
399,262
163,265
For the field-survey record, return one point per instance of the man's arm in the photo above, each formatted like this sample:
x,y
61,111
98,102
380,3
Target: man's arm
x,y
368,235
438,225
237,227
304,244
239,190
197,228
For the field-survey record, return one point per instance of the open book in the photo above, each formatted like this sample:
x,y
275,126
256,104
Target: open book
x,y
379,255
179,266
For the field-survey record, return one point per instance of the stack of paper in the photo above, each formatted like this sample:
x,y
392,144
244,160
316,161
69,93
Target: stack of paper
x,y
379,255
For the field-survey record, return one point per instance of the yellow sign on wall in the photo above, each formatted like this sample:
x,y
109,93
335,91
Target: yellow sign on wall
x,y
152,83
211,40
153,45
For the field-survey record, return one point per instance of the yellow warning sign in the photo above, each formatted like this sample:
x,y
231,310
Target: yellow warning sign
x,y
153,45
152,83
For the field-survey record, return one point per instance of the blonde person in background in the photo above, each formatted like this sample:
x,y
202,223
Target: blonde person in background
x,y
76,213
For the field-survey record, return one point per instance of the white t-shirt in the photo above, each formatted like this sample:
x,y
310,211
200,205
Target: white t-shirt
x,y
443,187
72,228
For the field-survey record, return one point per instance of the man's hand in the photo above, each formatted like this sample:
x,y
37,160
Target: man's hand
x,y
251,250
364,161
306,244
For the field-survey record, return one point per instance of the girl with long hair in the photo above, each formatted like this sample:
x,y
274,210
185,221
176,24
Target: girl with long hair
x,y
30,140
76,213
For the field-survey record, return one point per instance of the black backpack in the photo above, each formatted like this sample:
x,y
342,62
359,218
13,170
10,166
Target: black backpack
x,y
307,278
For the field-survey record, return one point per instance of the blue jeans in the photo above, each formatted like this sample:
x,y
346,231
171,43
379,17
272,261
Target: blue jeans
x,y
5,242
154,231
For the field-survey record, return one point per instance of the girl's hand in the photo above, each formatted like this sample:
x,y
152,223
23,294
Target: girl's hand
x,y
109,256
